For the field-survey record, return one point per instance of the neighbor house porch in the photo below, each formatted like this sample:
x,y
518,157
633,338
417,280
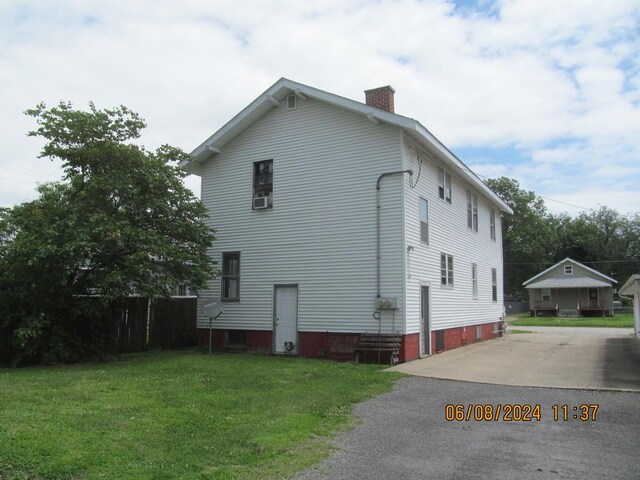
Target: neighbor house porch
x,y
571,302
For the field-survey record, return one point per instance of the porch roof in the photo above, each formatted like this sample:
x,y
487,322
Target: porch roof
x,y
569,281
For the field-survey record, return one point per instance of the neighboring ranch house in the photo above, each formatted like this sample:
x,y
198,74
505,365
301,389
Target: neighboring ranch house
x,y
631,288
322,233
570,289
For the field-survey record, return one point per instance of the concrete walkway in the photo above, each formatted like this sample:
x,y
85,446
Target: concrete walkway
x,y
562,357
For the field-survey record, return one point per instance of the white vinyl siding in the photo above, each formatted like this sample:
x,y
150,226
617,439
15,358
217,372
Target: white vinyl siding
x,y
321,233
448,233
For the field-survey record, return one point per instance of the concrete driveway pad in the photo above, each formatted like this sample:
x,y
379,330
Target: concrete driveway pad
x,y
559,357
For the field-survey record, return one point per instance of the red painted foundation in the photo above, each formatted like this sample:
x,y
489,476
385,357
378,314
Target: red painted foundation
x,y
459,336
340,346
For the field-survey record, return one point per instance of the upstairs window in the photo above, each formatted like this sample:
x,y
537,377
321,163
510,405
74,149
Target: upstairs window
x,y
444,185
262,184
474,280
424,221
446,270
292,102
568,269
472,211
492,224
494,284
231,277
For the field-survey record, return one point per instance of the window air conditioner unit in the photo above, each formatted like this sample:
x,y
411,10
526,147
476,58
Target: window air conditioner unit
x,y
260,202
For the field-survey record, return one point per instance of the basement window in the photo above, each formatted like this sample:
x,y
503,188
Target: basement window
x,y
262,184
235,338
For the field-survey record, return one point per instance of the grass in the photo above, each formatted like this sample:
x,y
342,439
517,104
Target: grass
x,y
518,331
620,320
172,415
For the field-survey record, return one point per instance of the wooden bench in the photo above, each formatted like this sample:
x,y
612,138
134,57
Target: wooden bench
x,y
379,342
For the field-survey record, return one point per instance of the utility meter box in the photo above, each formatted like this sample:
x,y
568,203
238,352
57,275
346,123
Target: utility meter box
x,y
386,303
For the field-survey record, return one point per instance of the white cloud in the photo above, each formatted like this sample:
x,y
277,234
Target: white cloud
x,y
557,80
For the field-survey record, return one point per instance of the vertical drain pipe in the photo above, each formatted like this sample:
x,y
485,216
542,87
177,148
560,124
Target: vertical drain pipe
x,y
410,172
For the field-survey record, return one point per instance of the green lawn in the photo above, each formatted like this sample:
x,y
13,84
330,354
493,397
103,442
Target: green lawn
x,y
621,320
177,415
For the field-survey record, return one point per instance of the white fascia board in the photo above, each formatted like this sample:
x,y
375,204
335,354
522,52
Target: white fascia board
x,y
593,271
568,260
284,86
265,101
463,170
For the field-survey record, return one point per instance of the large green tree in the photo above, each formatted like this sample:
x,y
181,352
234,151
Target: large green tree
x,y
534,239
120,222
529,236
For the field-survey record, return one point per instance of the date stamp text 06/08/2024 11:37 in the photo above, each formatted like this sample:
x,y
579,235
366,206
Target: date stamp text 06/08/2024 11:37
x,y
519,412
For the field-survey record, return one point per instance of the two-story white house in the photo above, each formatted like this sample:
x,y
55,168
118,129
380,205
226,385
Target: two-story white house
x,y
335,218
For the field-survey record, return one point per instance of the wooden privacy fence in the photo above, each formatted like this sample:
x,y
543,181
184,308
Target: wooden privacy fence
x,y
166,323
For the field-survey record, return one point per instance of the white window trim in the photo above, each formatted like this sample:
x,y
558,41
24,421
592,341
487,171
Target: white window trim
x,y
474,281
448,276
223,276
295,101
568,269
472,210
494,285
492,224
446,182
425,202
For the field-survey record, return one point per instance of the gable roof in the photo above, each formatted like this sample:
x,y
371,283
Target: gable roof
x,y
279,91
566,282
631,286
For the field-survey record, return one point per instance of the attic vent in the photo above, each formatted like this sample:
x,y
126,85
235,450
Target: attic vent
x,y
292,102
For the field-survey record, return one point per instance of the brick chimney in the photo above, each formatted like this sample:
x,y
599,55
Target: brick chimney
x,y
381,97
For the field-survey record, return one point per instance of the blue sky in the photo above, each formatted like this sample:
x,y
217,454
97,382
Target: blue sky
x,y
543,91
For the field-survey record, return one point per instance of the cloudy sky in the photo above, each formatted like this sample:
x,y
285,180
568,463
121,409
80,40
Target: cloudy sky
x,y
544,91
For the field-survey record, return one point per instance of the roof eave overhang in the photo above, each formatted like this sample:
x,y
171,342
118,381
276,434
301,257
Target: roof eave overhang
x,y
631,286
574,262
283,87
542,284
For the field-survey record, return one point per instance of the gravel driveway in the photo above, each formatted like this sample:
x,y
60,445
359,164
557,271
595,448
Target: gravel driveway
x,y
404,434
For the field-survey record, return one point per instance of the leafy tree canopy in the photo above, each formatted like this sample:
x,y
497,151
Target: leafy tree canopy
x,y
120,222
534,239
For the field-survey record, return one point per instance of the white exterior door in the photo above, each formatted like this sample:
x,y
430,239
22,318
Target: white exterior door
x,y
285,324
